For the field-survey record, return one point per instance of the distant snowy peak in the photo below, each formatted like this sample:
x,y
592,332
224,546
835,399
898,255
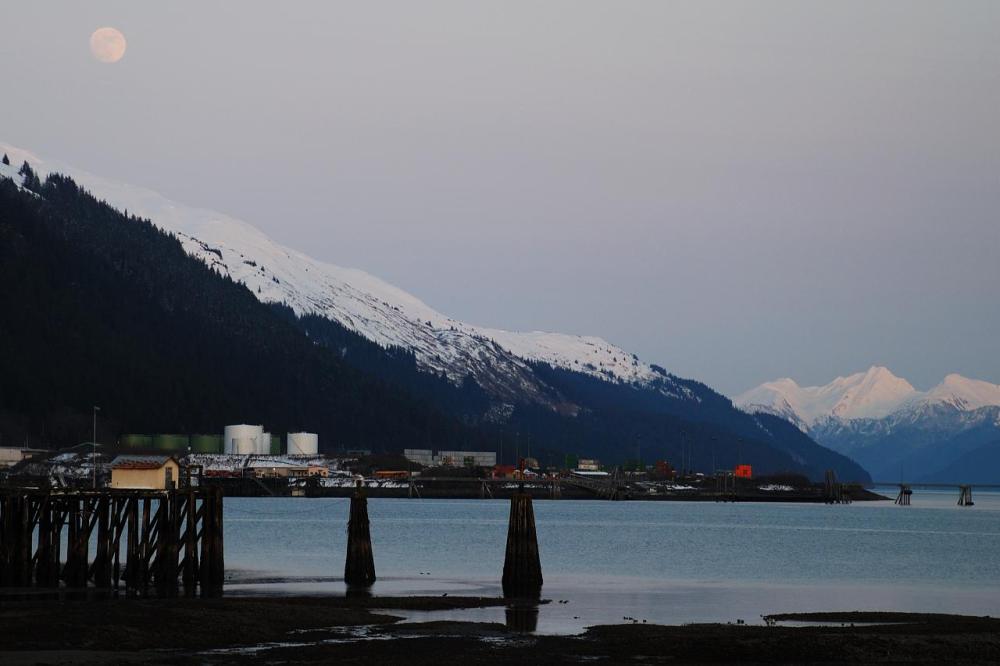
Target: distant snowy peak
x,y
361,302
963,393
873,394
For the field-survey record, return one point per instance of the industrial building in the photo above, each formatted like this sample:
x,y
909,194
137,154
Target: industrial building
x,y
145,472
279,469
241,439
173,443
428,458
10,456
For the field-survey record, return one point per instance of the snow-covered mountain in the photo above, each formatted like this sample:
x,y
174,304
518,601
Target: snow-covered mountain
x,y
873,394
379,311
886,424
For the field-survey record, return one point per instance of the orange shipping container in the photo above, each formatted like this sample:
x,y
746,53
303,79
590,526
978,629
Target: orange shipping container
x,y
744,471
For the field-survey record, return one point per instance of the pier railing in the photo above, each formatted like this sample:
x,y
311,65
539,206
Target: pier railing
x,y
143,539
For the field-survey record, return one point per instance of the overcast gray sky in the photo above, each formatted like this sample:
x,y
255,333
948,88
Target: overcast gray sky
x,y
734,190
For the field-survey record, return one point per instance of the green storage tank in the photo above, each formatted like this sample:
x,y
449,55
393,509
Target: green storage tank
x,y
170,442
132,441
275,445
206,443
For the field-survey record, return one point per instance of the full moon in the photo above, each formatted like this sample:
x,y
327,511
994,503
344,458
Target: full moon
x,y
107,44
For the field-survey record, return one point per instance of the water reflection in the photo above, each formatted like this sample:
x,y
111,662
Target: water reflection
x,y
358,592
522,615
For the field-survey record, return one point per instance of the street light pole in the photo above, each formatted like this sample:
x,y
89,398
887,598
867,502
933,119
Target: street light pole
x,y
93,458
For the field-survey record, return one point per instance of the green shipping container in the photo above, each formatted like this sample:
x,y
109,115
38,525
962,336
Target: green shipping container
x,y
170,442
275,445
206,443
136,441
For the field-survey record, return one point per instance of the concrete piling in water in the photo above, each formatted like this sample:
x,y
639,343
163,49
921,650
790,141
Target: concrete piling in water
x,y
359,570
522,568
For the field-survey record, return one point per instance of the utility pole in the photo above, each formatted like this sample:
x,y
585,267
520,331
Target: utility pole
x,y
93,458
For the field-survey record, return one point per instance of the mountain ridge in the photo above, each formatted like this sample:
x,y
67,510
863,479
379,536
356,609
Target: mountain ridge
x,y
888,426
593,400
376,309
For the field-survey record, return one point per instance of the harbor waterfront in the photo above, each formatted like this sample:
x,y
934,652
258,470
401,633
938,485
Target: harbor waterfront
x,y
669,563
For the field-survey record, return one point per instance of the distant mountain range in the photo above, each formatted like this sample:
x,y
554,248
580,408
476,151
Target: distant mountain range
x,y
948,433
557,393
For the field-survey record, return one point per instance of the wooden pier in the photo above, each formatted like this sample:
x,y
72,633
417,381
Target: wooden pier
x,y
143,540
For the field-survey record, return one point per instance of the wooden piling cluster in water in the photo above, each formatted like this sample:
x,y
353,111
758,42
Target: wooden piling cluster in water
x,y
905,492
834,492
965,496
359,569
725,487
143,539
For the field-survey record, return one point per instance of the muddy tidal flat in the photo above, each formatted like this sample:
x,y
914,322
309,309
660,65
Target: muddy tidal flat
x,y
314,630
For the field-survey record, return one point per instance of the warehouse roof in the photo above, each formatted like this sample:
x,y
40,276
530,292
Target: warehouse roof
x,y
140,462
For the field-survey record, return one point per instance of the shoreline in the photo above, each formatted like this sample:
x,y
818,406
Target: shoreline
x,y
303,630
466,490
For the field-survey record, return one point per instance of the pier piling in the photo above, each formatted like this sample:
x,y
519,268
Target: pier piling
x,y
359,570
522,568
965,496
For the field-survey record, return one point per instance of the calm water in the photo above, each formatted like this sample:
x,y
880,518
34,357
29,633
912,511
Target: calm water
x,y
666,562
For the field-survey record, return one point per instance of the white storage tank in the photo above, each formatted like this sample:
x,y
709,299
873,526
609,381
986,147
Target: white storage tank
x,y
264,444
242,439
303,444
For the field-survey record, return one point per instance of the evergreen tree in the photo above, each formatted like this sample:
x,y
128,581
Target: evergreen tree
x,y
6,160
31,181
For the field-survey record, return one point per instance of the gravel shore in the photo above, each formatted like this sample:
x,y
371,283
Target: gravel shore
x,y
313,630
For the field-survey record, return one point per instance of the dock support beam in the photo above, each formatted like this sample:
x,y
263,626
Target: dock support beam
x,y
522,567
359,570
33,522
965,496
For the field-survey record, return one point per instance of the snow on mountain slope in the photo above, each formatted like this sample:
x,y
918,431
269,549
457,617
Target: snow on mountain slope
x,y
11,171
375,309
874,394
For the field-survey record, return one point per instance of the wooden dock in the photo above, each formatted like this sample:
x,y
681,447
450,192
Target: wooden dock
x,y
142,539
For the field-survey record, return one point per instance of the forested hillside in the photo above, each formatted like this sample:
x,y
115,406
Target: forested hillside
x,y
103,308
